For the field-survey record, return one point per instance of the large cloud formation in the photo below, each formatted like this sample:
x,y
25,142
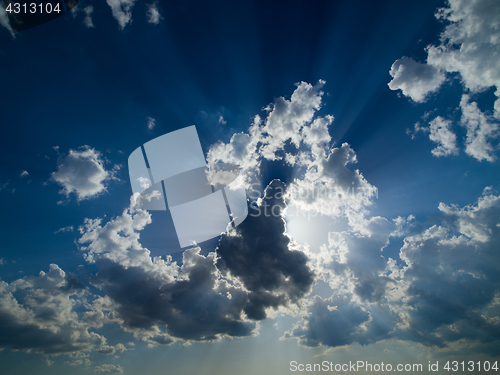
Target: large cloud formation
x,y
442,288
446,291
470,45
154,298
47,314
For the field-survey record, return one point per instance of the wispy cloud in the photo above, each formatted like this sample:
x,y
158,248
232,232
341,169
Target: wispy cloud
x,y
151,123
153,13
122,11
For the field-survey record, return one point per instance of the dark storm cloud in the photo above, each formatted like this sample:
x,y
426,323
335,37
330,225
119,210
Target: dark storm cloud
x,y
46,313
259,254
332,322
196,306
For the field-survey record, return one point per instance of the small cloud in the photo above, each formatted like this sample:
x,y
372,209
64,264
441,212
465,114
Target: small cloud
x,y
151,123
122,11
441,133
64,230
4,18
82,172
221,120
87,21
108,369
2,261
153,14
415,79
24,174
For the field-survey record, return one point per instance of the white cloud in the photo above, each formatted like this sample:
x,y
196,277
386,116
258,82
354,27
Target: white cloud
x,y
24,174
151,123
482,131
87,21
441,133
108,369
324,182
82,172
414,79
122,11
4,18
470,46
153,14
64,230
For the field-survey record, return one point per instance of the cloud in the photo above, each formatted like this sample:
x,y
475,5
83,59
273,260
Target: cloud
x,y
443,289
46,313
470,45
333,322
266,138
482,131
82,172
263,258
154,298
153,13
441,133
64,230
414,79
453,276
87,21
4,19
24,174
122,11
110,350
108,369
151,123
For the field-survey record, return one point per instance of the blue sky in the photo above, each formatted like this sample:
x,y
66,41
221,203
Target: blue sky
x,y
396,102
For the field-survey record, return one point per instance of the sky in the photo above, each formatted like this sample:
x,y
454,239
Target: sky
x,y
367,136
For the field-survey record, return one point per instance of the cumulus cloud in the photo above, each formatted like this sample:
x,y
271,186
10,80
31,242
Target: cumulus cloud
x,y
293,133
470,45
441,133
83,173
443,289
47,313
414,79
267,137
122,11
482,131
154,298
452,275
153,14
